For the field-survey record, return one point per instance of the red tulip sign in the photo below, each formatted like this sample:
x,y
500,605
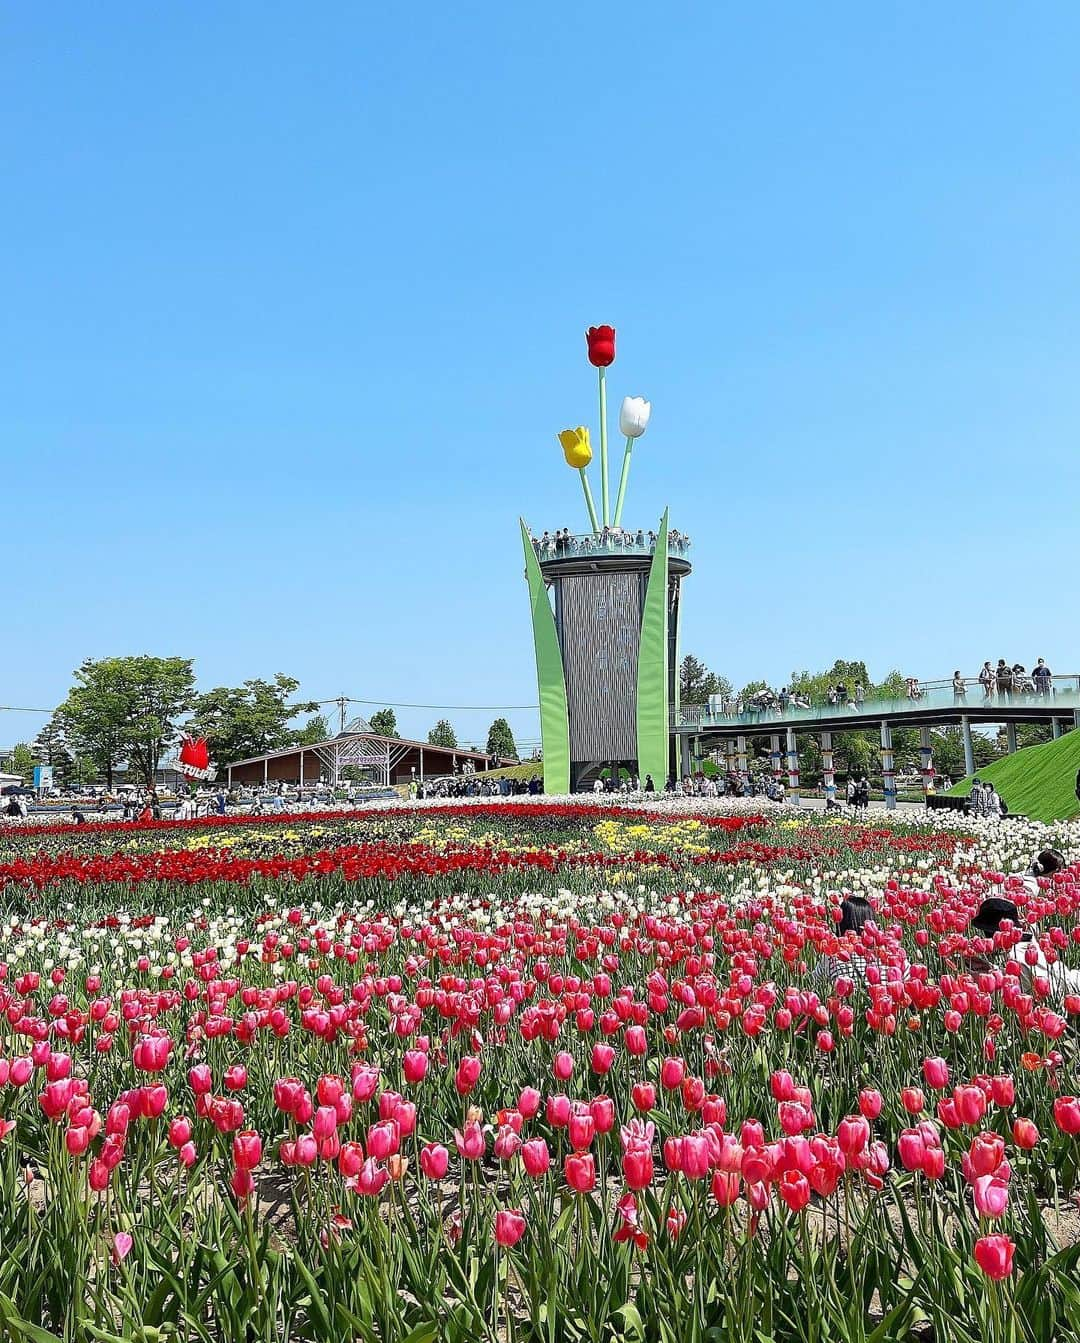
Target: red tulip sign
x,y
195,758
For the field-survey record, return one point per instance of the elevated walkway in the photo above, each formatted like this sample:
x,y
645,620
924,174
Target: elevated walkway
x,y
728,725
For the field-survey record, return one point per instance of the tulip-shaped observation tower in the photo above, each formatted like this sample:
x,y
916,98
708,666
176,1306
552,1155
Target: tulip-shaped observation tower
x,y
605,616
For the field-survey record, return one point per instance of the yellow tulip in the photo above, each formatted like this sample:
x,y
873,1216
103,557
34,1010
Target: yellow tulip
x,y
576,447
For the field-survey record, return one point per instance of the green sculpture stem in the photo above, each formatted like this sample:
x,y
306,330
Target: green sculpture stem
x,y
603,447
623,479
588,498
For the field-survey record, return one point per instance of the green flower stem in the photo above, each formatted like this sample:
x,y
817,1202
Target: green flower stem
x,y
588,499
603,447
623,478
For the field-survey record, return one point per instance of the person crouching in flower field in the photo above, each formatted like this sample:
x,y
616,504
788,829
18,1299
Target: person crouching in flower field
x,y
998,922
856,933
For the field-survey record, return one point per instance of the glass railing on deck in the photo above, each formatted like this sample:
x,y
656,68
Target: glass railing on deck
x,y
609,541
767,708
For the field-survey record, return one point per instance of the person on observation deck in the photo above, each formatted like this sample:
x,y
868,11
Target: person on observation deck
x,y
1042,676
1004,678
841,693
959,688
986,680
860,694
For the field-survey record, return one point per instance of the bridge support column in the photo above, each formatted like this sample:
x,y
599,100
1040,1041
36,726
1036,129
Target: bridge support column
x,y
793,765
888,767
684,755
926,760
827,768
740,757
1055,728
1010,737
774,757
969,752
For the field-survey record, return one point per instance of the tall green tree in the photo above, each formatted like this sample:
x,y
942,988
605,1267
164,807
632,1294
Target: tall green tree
x,y
126,708
500,739
52,748
442,734
246,720
697,682
315,729
384,723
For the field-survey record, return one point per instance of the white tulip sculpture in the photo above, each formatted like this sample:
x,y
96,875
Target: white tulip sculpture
x,y
633,421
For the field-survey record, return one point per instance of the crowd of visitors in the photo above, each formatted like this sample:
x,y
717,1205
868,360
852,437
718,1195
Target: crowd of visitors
x,y
1002,683
563,543
472,785
998,685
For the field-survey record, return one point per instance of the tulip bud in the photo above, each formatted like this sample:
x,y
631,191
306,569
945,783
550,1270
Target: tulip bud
x,y
634,416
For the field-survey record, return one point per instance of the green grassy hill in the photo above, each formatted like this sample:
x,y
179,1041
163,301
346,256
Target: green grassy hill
x,y
1039,781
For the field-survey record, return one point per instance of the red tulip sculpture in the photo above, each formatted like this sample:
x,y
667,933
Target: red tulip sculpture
x,y
601,345
195,758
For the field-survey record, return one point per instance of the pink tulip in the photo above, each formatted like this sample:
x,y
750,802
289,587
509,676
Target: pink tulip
x,y
509,1227
470,1142
535,1157
936,1073
434,1160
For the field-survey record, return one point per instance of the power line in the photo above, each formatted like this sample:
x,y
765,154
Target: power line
x,y
16,708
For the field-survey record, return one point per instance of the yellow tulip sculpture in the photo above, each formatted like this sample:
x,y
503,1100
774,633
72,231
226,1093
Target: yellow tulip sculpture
x,y
578,453
576,447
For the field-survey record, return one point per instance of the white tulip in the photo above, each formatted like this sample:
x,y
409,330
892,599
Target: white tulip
x,y
634,416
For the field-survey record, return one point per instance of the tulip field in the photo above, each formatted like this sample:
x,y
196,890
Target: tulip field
x,y
537,1071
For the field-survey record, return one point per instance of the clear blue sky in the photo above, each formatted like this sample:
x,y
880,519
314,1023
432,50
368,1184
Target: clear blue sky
x,y
293,301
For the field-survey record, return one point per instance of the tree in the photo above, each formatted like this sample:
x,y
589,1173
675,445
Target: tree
x,y
697,683
52,747
125,708
247,720
315,729
21,762
384,723
500,740
442,734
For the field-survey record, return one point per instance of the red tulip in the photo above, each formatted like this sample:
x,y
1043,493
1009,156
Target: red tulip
x,y
468,1074
637,1165
643,1095
414,1065
247,1150
853,1134
994,1255
580,1171
1024,1134
870,1103
794,1190
1067,1114
601,343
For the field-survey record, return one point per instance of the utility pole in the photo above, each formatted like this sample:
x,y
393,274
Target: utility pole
x,y
341,703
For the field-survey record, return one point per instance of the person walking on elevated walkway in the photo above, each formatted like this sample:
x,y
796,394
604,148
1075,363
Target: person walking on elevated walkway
x,y
986,680
1004,678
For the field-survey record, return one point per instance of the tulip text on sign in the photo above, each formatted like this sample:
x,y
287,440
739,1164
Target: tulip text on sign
x,y
195,759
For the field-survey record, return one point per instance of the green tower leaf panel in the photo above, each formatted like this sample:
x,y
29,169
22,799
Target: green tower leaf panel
x,y
551,683
652,676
